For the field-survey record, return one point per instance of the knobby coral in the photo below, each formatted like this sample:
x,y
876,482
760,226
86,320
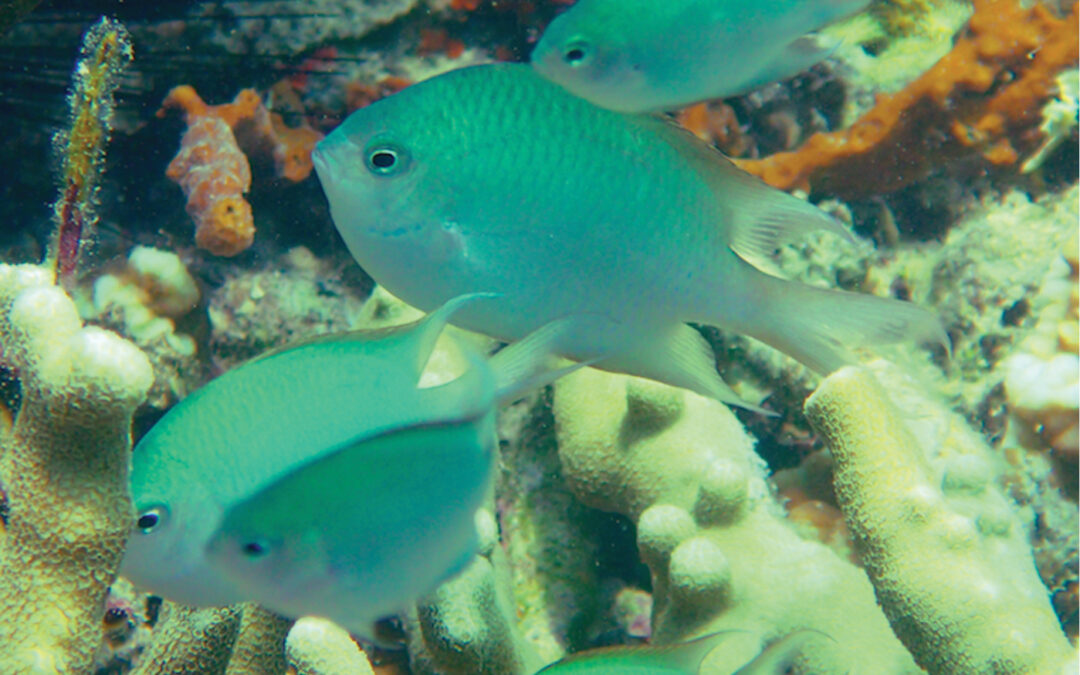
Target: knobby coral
x,y
708,528
949,561
983,98
64,470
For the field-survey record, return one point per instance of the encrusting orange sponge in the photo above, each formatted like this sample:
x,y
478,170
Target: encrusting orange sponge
x,y
213,170
214,175
985,96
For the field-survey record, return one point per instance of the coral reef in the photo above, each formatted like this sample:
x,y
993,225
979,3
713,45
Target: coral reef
x,y
624,511
293,296
64,469
467,624
142,301
320,647
1042,377
949,561
683,468
982,99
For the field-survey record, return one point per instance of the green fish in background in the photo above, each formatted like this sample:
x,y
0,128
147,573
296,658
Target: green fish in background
x,y
345,464
648,55
685,658
492,178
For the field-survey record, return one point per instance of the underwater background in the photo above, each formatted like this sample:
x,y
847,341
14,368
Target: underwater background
x,y
918,512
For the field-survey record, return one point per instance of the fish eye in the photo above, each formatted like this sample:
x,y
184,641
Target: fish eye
x,y
151,518
386,160
576,52
255,549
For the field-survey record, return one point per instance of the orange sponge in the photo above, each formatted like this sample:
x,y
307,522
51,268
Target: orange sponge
x,y
214,175
984,97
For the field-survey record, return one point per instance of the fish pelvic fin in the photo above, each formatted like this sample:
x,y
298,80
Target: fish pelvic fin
x,y
816,326
534,361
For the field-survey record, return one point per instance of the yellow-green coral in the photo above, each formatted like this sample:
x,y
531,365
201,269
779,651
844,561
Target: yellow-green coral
x,y
720,553
64,469
948,558
321,647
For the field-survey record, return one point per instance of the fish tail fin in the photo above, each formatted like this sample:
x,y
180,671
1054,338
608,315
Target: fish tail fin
x,y
815,326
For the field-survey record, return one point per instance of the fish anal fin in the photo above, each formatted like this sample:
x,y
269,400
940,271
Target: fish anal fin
x,y
680,356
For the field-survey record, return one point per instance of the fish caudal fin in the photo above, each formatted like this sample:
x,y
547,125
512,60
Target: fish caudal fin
x,y
815,326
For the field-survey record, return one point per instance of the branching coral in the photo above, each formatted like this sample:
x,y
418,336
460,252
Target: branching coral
x,y
982,98
948,559
320,647
720,553
64,471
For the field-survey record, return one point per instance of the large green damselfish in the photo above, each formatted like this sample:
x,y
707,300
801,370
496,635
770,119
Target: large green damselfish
x,y
492,178
321,479
645,55
681,659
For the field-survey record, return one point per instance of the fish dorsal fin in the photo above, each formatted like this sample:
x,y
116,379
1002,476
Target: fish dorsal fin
x,y
758,218
418,336
778,657
421,340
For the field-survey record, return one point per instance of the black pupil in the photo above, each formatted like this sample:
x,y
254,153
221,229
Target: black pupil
x,y
575,55
254,549
147,520
383,159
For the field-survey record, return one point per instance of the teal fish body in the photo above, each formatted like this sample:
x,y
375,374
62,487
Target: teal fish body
x,y
356,534
252,428
492,179
642,55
